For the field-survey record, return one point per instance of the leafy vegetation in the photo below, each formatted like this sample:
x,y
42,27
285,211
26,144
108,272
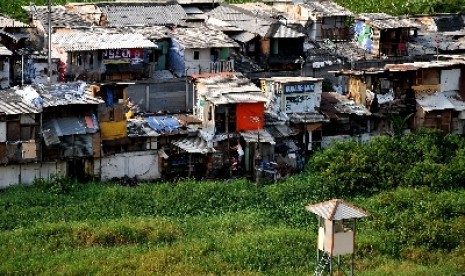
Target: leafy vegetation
x,y
416,226
394,7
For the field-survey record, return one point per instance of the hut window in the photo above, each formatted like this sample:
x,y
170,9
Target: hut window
x,y
196,55
341,226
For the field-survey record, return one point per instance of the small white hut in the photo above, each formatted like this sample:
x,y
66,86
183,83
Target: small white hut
x,y
336,230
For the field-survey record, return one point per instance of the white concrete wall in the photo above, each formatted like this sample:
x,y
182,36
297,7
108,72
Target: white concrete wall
x,y
142,164
450,80
197,66
2,131
26,173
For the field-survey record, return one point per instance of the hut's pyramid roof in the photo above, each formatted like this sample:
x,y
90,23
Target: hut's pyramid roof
x,y
336,209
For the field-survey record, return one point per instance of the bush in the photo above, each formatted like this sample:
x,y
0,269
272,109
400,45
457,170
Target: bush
x,y
56,184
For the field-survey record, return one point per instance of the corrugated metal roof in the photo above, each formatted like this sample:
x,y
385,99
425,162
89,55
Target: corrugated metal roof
x,y
65,126
6,22
280,131
202,38
281,31
386,21
193,145
148,14
88,41
11,104
326,9
244,36
232,88
60,17
336,209
15,36
441,101
262,136
307,117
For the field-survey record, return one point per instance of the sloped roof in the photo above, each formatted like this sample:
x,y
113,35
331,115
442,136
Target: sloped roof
x,y
326,8
333,103
336,209
224,89
193,145
441,101
148,14
254,136
11,104
386,21
4,51
60,17
28,100
202,38
255,23
6,22
87,41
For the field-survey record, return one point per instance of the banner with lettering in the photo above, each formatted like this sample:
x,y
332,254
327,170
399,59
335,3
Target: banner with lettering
x,y
115,56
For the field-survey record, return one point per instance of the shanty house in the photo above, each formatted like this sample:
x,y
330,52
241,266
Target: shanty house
x,y
231,109
383,35
296,100
322,19
100,55
200,50
267,40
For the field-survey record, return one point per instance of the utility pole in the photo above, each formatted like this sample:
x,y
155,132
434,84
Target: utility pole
x,y
49,41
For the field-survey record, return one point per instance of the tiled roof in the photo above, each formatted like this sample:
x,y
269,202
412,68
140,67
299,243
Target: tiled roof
x,y
202,37
132,14
255,23
60,17
87,41
6,22
326,8
336,209
386,21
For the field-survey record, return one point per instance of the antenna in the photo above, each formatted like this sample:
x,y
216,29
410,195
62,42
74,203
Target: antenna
x,y
49,41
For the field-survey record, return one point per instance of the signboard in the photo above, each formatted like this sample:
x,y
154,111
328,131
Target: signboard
x,y
115,56
299,88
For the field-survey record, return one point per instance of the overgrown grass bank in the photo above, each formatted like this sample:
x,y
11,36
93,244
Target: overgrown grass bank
x,y
238,228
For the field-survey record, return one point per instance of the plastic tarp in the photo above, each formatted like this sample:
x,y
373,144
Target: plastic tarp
x,y
249,116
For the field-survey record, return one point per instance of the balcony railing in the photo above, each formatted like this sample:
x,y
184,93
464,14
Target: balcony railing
x,y
222,66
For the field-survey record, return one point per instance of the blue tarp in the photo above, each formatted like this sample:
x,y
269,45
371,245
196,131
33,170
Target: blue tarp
x,y
163,124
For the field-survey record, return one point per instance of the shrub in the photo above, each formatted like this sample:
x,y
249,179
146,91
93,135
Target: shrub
x,y
56,184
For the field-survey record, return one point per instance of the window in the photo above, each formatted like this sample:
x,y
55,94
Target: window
x,y
196,55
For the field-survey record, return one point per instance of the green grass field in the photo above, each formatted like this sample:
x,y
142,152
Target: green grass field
x,y
219,228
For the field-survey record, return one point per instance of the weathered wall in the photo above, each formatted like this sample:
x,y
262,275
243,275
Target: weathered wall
x,y
26,173
165,95
5,74
142,164
450,80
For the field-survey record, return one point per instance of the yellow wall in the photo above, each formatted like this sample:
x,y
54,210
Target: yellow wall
x,y
113,130
357,90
